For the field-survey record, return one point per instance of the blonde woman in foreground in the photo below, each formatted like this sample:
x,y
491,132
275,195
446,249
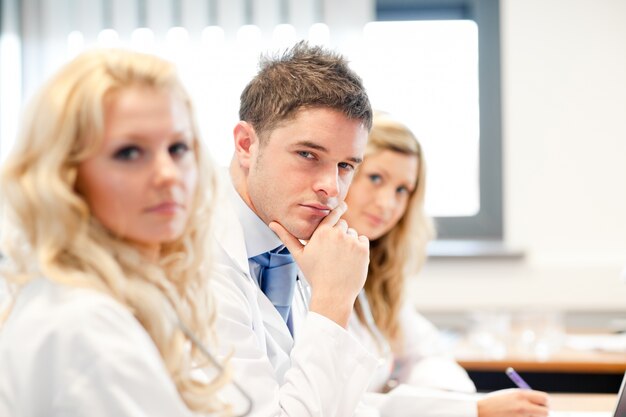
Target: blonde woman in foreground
x,y
107,197
386,204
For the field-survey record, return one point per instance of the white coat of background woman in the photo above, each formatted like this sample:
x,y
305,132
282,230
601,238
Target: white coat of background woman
x,y
386,204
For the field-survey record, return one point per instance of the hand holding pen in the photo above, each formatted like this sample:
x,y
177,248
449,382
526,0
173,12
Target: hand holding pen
x,y
523,402
517,380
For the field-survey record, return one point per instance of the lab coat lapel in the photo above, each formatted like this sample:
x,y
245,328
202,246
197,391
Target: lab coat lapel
x,y
269,326
230,237
229,242
274,323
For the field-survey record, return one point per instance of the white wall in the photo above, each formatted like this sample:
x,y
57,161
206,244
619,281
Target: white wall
x,y
564,117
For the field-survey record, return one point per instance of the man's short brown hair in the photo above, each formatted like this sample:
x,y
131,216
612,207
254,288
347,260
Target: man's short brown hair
x,y
301,77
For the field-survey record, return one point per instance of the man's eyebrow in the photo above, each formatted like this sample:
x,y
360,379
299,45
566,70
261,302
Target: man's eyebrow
x,y
316,146
312,145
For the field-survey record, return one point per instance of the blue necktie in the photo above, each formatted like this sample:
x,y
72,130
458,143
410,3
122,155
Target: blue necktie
x,y
277,279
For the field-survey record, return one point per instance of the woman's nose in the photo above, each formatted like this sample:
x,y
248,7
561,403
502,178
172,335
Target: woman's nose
x,y
385,198
165,168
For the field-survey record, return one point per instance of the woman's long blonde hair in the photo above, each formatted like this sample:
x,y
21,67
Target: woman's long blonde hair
x,y
49,232
402,250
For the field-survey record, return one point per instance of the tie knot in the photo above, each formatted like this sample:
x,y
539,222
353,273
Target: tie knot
x,y
276,257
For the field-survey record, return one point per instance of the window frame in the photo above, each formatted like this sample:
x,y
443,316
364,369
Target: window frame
x,y
488,223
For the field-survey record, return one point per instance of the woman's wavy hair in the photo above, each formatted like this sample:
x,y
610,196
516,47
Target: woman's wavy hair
x,y
402,250
49,231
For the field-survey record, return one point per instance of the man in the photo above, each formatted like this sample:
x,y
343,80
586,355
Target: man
x,y
304,122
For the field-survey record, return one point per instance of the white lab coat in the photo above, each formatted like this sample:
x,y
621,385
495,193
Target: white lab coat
x,y
324,373
68,351
432,384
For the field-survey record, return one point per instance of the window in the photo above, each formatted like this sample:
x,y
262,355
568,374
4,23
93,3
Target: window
x,y
487,221
428,79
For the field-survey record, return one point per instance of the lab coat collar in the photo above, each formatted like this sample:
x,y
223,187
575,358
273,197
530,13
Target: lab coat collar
x,y
231,231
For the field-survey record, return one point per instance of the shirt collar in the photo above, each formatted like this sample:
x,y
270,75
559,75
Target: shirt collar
x,y
259,238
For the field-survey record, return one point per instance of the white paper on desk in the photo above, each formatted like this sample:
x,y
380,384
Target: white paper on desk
x,y
601,342
580,414
404,400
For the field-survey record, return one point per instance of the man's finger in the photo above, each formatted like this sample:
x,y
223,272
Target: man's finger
x,y
334,216
342,225
291,242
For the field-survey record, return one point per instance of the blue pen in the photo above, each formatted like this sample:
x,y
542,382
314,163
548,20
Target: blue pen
x,y
517,380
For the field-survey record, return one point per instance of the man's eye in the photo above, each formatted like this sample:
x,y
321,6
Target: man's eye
x,y
347,166
306,154
127,153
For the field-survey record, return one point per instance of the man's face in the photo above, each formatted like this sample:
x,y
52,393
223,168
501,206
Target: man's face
x,y
304,168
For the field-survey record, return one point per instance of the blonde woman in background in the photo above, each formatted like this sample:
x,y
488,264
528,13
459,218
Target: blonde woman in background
x,y
386,204
107,195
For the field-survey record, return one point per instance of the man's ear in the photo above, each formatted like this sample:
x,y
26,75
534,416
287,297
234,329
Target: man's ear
x,y
246,143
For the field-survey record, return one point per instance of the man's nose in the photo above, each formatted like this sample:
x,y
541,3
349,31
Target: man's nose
x,y
327,182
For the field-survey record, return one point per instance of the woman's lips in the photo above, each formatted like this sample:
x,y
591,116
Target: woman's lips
x,y
169,207
375,220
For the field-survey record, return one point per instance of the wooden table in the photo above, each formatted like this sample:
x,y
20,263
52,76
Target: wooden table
x,y
567,370
564,361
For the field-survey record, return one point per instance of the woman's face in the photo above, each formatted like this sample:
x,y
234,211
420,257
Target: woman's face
x,y
140,183
380,192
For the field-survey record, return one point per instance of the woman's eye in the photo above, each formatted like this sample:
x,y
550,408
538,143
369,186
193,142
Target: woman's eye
x,y
402,190
128,153
179,149
375,178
